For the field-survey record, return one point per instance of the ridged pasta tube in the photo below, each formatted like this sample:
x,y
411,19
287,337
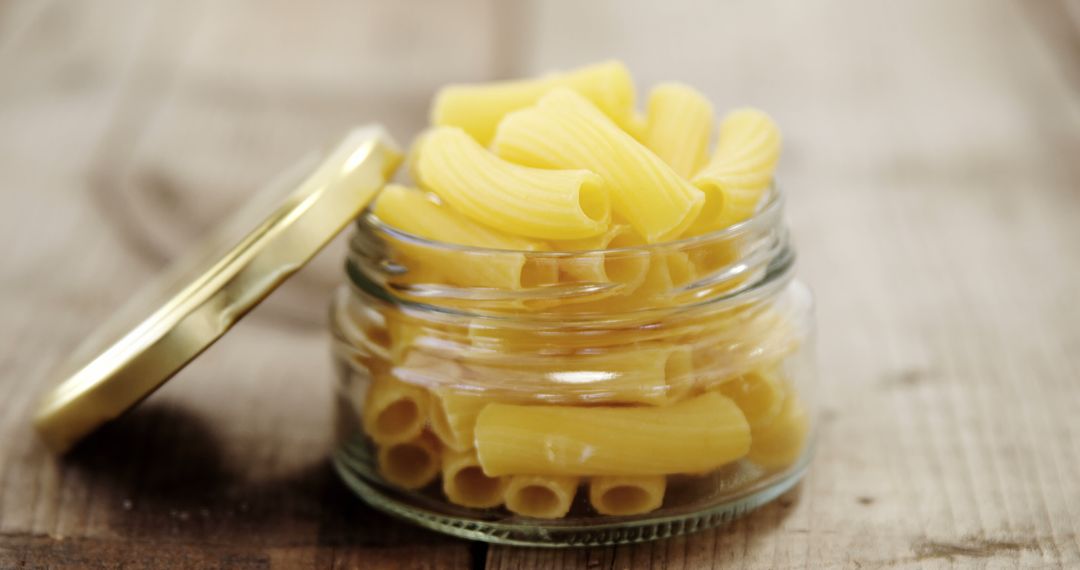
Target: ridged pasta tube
x,y
486,339
692,436
642,374
626,267
478,108
781,443
414,212
530,202
621,496
712,256
402,333
410,464
393,410
637,126
453,416
667,270
759,394
737,343
680,123
541,497
740,171
564,130
465,484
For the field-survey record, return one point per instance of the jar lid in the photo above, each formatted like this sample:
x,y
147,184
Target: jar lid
x,y
203,294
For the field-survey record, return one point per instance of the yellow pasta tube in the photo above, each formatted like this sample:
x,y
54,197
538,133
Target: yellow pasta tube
x,y
760,395
478,108
465,484
626,267
636,126
413,212
680,122
393,410
740,171
667,270
402,333
563,130
531,202
729,345
453,416
781,443
713,256
487,340
658,276
541,497
621,496
644,375
410,464
693,436
364,331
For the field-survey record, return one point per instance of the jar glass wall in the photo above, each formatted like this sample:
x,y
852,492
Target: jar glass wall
x,y
574,397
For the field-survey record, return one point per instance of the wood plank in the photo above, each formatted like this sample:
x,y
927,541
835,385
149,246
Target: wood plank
x,y
127,129
930,198
933,194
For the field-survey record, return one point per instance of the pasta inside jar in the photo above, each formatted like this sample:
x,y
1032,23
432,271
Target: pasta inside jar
x,y
591,408
577,325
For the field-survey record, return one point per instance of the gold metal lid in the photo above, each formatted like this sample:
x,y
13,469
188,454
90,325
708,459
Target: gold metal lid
x,y
201,296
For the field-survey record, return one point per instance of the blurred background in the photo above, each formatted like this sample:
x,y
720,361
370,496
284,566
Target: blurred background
x,y
932,160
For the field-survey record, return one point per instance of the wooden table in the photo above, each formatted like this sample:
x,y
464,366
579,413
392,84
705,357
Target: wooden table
x,y
933,164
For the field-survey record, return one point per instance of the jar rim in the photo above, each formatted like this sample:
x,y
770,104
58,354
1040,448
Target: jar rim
x,y
767,215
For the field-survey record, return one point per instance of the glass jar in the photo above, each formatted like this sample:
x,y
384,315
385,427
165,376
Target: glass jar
x,y
579,397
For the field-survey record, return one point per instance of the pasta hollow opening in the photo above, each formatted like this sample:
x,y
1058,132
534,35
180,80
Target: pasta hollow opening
x,y
537,501
625,499
594,201
624,267
408,460
398,417
621,268
537,272
714,204
476,487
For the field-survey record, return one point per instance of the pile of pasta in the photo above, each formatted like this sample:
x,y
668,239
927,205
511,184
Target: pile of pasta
x,y
532,458
566,163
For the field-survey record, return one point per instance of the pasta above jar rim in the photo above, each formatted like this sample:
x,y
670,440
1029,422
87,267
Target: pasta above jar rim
x,y
556,315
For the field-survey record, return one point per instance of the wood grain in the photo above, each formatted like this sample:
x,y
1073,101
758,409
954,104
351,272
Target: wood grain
x,y
931,163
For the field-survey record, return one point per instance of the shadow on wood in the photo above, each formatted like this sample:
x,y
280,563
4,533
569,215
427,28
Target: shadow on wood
x,y
165,475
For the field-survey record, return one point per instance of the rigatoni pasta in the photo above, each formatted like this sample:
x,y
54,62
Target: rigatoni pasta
x,y
453,416
531,202
402,333
465,483
417,214
740,171
478,108
759,394
550,306
627,495
643,375
564,130
679,126
625,267
781,442
410,464
692,436
540,496
394,411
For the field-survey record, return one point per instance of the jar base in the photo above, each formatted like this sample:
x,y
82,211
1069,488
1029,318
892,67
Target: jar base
x,y
570,533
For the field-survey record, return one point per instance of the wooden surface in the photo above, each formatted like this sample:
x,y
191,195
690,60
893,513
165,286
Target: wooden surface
x,y
933,164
